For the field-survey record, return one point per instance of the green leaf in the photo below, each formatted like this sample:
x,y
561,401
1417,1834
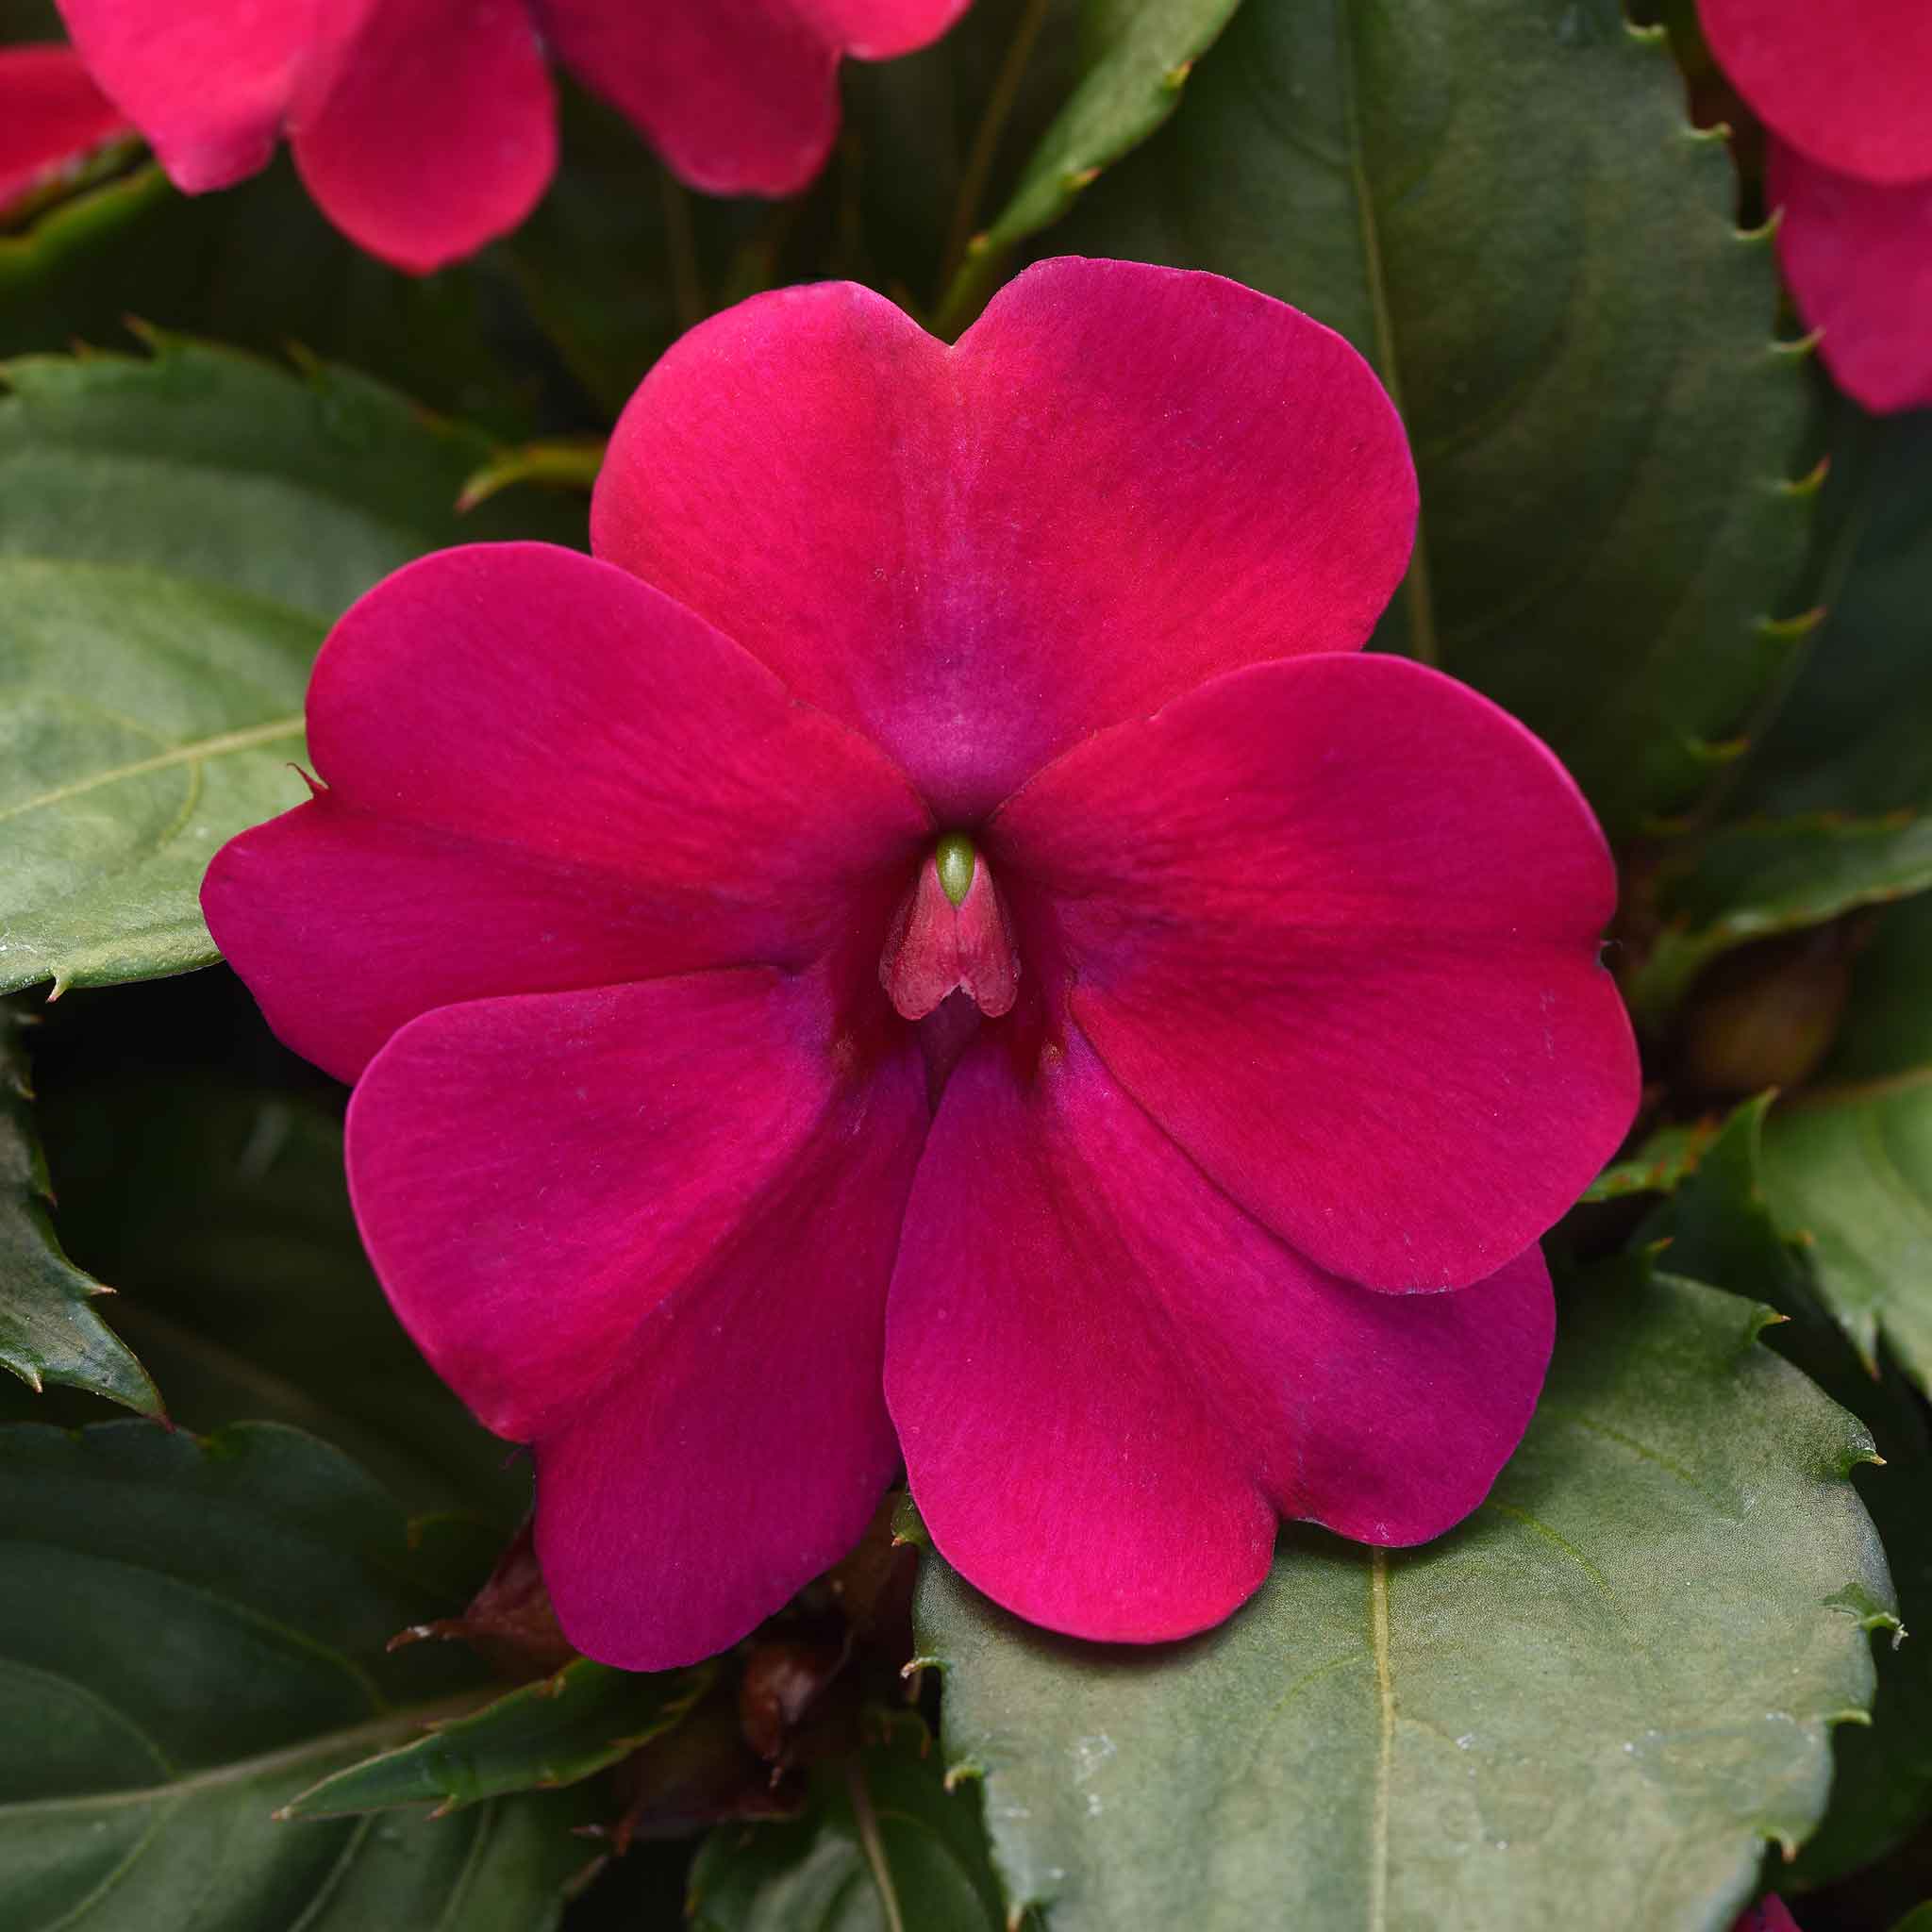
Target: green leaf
x,y
1135,57
1881,1789
1754,880
222,1215
885,1844
1662,1164
1503,206
1918,1920
1587,1706
1855,734
190,1633
556,1731
1840,777
1848,1162
1848,1173
49,1331
181,533
1719,1226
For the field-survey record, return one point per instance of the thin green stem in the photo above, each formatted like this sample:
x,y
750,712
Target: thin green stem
x,y
986,140
873,1846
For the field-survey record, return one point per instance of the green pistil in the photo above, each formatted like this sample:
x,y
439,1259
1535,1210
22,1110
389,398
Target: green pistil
x,y
954,861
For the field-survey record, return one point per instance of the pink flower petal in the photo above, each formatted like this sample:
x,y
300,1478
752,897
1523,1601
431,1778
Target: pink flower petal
x,y
651,1227
880,29
1123,480
208,82
437,133
543,774
50,116
1770,1914
534,1175
1106,1378
1847,82
1335,922
740,96
1858,259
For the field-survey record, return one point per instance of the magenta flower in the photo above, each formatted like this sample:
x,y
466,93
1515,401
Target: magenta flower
x,y
1844,91
425,128
937,944
51,117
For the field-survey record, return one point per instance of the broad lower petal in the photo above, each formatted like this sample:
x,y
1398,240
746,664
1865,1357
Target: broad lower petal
x,y
537,1178
208,82
740,96
737,1441
54,117
542,775
1335,922
1847,83
1108,1379
437,131
1858,259
1121,482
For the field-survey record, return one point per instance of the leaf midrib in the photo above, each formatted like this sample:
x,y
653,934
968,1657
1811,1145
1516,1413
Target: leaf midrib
x,y
1385,1751
390,1723
201,749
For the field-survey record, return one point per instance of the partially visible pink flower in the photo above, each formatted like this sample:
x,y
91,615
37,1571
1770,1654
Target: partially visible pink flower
x,y
1768,1915
52,117
1845,91
937,943
426,128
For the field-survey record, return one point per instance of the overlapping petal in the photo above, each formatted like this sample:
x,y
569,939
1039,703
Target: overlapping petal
x,y
740,96
55,115
208,82
1858,259
1107,1378
980,554
543,774
437,133
650,1228
426,128
1334,922
879,29
1846,83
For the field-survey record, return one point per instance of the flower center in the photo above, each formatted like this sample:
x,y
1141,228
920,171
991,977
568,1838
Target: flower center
x,y
951,934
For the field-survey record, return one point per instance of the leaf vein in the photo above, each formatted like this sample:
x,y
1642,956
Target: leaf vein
x,y
220,746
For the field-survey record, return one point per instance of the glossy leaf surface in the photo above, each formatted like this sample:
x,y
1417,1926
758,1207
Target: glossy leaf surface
x,y
193,1631
50,1324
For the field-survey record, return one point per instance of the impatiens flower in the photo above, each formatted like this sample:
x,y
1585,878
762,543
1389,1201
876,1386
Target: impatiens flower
x,y
426,128
936,944
1846,94
52,116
